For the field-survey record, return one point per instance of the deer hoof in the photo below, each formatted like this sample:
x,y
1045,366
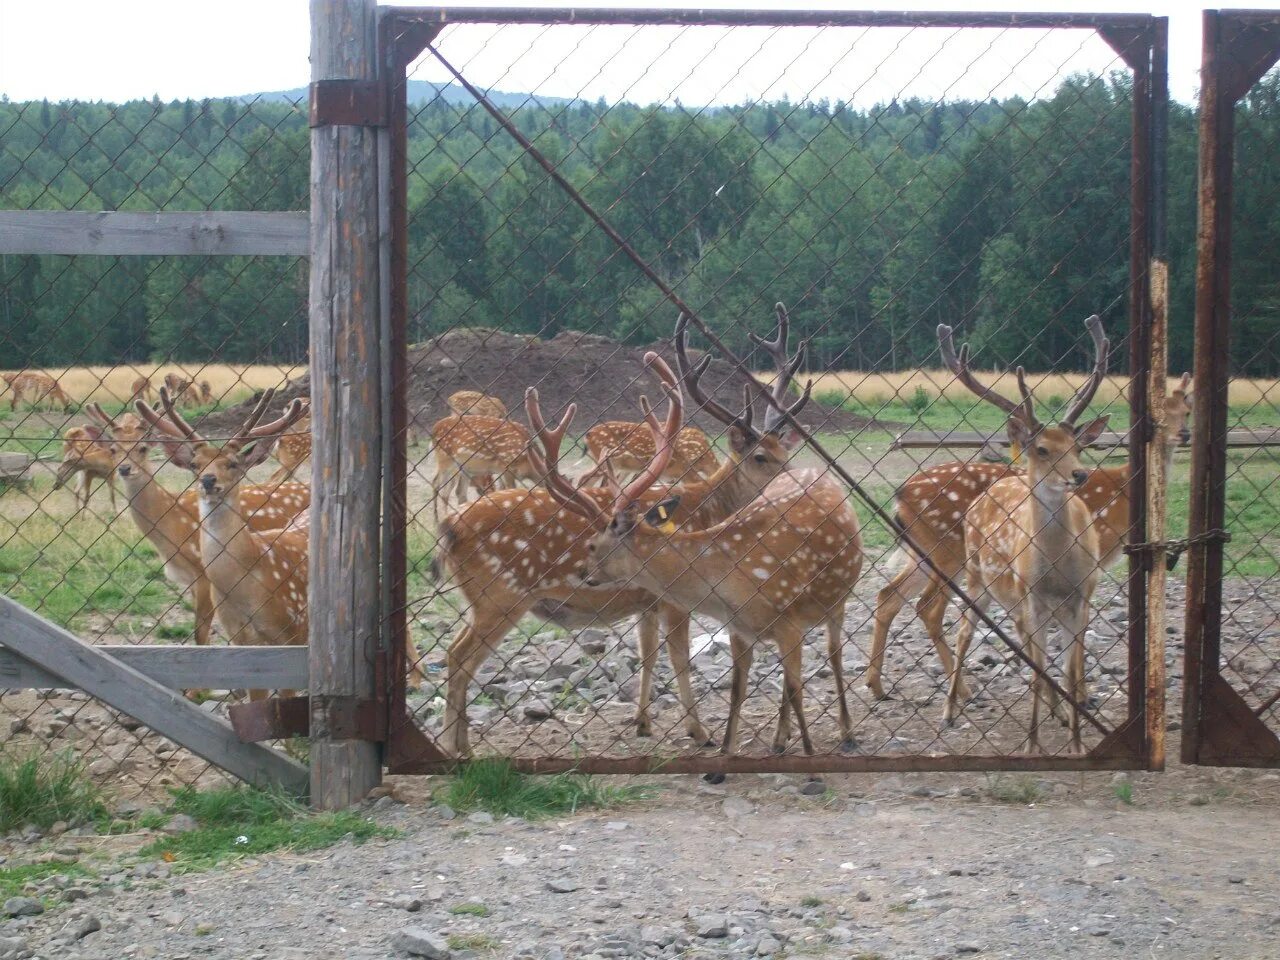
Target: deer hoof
x,y
848,745
714,777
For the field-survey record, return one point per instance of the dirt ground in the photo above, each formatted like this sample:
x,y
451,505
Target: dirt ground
x,y
890,867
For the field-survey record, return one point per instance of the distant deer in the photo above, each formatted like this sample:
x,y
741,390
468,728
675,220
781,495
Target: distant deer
x,y
85,452
779,566
475,403
35,388
171,522
291,451
471,450
206,394
628,447
141,389
519,551
1031,542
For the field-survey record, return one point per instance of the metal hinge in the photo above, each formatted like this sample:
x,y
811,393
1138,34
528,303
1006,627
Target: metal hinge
x,y
355,103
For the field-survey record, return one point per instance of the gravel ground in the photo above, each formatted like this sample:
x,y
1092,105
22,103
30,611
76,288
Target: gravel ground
x,y
888,867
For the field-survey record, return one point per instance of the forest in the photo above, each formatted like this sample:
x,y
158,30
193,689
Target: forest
x,y
1008,219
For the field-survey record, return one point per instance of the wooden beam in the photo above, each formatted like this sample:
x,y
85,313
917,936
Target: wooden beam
x,y
130,691
346,391
960,440
203,233
178,668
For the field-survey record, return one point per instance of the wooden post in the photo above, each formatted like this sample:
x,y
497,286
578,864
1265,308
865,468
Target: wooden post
x,y
345,396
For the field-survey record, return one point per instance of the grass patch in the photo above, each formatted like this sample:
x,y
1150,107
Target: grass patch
x,y
14,880
1123,792
469,910
42,789
496,786
1021,790
811,901
240,821
471,941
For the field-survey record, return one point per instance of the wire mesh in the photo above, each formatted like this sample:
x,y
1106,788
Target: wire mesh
x,y
106,555
877,181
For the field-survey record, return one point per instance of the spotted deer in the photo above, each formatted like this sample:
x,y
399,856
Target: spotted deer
x,y
35,388
628,448
931,506
782,564
475,403
517,552
471,450
291,451
141,389
1031,543
171,522
84,452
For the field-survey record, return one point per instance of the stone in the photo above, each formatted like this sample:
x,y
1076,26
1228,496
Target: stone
x,y
180,823
79,929
863,897
406,903
538,710
420,942
13,948
563,885
480,818
23,907
712,926
813,788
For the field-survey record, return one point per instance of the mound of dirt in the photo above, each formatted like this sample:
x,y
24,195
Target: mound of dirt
x,y
605,378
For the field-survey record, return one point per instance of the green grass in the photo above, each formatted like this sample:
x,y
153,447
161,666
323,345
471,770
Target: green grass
x,y
42,789
238,822
494,785
1014,790
14,880
811,901
469,910
1123,792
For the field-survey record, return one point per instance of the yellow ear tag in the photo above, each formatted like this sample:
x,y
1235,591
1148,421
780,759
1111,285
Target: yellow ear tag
x,y
1015,452
665,524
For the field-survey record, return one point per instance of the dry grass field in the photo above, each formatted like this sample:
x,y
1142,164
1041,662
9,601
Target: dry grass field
x,y
230,382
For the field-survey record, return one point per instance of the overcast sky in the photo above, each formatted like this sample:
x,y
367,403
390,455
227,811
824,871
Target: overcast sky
x,y
123,49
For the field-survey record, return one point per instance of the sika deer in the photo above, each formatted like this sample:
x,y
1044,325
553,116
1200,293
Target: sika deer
x,y
35,388
84,452
772,570
516,551
1031,543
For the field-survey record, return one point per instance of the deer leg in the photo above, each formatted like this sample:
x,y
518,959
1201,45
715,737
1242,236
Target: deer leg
x,y
835,656
791,651
982,599
905,584
743,652
1074,621
111,491
469,650
932,608
1033,636
417,676
647,628
678,650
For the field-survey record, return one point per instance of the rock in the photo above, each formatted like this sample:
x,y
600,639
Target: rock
x,y
658,936
967,948
538,710
813,788
420,942
79,929
713,926
406,903
840,934
172,918
480,818
863,897
563,885
23,907
104,767
13,948
593,641
617,825
768,946
18,725
446,812
72,894
180,823
737,806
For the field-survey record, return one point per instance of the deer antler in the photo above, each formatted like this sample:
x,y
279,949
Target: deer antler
x,y
170,423
959,366
664,434
1101,348
691,374
96,411
787,367
559,486
297,409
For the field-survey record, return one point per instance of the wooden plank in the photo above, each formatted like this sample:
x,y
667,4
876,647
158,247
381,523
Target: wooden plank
x,y
199,233
964,440
14,465
130,691
346,461
179,668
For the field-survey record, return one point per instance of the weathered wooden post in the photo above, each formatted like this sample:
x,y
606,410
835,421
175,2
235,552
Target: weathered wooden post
x,y
345,396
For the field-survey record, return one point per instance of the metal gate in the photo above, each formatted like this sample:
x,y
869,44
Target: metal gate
x,y
1231,706
523,223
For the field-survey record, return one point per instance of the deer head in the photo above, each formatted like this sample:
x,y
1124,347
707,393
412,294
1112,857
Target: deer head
x,y
220,469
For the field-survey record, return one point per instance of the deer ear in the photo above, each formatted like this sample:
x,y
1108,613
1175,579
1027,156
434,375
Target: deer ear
x,y
256,451
180,453
739,442
661,515
789,438
624,521
1091,431
1020,432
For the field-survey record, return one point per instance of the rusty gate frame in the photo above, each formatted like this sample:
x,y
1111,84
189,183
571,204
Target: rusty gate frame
x,y
1219,727
1141,41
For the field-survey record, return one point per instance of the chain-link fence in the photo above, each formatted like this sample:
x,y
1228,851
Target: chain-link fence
x,y
879,177
99,528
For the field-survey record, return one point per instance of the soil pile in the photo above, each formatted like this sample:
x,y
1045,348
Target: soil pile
x,y
605,378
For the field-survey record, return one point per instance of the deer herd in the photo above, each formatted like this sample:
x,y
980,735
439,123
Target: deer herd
x,y
659,529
